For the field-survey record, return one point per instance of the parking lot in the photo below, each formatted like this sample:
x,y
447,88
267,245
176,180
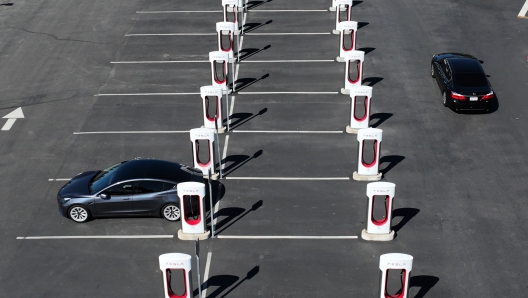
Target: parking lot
x,y
103,82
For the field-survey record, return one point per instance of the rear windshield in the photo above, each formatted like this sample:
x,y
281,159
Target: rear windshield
x,y
471,79
104,178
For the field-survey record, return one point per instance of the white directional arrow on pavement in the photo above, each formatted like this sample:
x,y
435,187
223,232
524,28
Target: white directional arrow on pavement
x,y
12,117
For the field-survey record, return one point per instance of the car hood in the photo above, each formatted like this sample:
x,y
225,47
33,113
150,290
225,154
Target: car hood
x,y
78,185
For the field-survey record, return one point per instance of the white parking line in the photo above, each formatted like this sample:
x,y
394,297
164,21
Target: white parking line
x,y
147,94
180,11
287,131
60,179
96,237
251,11
289,178
286,237
204,34
263,93
136,132
203,61
287,10
158,62
225,151
524,9
206,274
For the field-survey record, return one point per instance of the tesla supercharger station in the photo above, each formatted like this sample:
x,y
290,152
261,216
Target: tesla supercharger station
x,y
347,4
333,7
216,80
361,121
171,265
379,229
347,30
212,95
226,29
206,165
192,204
232,6
353,80
368,170
401,263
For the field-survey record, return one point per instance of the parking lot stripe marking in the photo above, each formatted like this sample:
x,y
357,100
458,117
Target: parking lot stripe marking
x,y
287,10
203,61
287,131
225,151
524,9
118,132
60,179
96,237
147,94
289,178
206,274
286,237
203,34
169,34
288,92
180,11
284,61
158,62
209,11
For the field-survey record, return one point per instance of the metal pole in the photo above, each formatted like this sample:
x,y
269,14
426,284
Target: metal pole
x,y
217,141
211,204
197,254
233,73
227,112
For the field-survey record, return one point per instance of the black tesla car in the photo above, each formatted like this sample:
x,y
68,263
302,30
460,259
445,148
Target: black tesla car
x,y
138,187
462,82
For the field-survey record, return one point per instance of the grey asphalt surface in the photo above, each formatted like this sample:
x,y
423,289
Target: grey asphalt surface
x,y
460,206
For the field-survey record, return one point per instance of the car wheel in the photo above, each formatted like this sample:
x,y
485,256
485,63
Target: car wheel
x,y
171,212
432,70
444,98
78,214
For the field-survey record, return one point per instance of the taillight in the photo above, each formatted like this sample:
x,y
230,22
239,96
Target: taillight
x,y
455,95
487,96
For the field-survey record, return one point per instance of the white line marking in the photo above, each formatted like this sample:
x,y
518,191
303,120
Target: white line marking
x,y
118,132
147,94
169,34
180,11
284,61
288,178
291,33
287,131
286,237
96,237
203,61
524,9
60,179
288,10
288,92
9,123
158,62
203,34
231,109
206,274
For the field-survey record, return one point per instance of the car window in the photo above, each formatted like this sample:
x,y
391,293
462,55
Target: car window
x,y
446,69
120,189
149,186
168,186
104,178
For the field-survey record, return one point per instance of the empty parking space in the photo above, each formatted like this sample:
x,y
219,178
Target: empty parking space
x,y
294,47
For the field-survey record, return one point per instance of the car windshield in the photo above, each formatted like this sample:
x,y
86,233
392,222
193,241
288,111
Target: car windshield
x,y
104,178
470,79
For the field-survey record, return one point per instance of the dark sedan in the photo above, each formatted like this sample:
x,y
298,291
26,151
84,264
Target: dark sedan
x,y
138,187
462,82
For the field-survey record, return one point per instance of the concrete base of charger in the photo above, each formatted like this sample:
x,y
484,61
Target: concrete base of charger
x,y
220,130
377,237
352,130
336,32
201,236
213,176
340,59
359,177
345,91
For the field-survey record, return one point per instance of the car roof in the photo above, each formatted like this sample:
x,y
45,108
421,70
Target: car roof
x,y
463,64
152,169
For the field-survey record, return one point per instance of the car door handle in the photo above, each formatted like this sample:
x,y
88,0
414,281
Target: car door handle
x,y
126,199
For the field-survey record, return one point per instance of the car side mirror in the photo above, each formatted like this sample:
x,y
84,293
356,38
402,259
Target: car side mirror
x,y
104,196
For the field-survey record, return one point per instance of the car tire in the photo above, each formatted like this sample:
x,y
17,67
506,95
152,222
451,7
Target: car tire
x,y
171,212
444,98
432,70
79,214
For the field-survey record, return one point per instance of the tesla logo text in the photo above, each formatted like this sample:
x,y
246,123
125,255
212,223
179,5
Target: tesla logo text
x,y
173,264
202,136
397,264
191,190
210,92
369,136
381,190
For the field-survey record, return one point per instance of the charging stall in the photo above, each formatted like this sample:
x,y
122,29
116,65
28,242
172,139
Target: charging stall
x,y
204,163
333,7
232,6
226,29
402,264
347,30
368,170
347,6
353,80
359,118
192,203
219,74
212,107
379,227
177,279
